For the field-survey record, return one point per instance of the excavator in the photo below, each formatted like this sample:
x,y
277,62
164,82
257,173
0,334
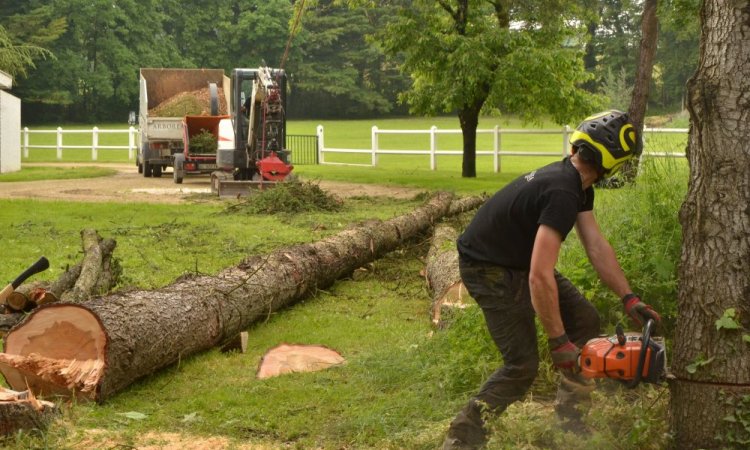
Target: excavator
x,y
252,141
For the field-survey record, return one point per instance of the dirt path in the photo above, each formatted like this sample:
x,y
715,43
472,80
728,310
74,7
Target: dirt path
x,y
127,185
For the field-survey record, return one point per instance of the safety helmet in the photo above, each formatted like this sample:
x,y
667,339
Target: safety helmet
x,y
607,139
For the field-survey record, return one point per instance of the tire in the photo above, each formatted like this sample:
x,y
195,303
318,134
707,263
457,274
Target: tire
x,y
147,168
156,171
177,170
140,168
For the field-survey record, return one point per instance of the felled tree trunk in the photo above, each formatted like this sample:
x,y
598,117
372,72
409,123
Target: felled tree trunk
x,y
443,278
98,347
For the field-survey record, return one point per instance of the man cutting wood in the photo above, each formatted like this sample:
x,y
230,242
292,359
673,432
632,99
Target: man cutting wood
x,y
507,258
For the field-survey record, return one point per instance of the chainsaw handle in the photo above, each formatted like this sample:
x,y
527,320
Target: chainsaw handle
x,y
646,340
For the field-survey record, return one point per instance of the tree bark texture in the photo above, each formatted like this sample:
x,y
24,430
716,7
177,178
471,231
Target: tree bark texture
x,y
649,35
639,97
443,277
91,268
22,411
147,330
714,272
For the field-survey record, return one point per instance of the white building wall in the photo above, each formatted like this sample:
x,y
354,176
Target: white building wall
x,y
10,133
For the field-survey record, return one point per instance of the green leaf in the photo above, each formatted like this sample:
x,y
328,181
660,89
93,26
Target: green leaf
x,y
697,363
134,415
730,418
727,320
746,338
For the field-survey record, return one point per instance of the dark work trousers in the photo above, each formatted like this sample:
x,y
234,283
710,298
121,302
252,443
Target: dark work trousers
x,y
503,294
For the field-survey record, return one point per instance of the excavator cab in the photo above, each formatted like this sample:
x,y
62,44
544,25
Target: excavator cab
x,y
258,106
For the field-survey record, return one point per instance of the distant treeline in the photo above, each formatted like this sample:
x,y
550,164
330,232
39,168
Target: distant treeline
x,y
336,67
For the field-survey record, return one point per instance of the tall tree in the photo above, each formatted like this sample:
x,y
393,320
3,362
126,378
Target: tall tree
x,y
26,32
16,59
469,56
95,76
649,34
712,340
336,71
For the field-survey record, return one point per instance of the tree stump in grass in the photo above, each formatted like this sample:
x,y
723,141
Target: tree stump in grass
x,y
443,277
23,411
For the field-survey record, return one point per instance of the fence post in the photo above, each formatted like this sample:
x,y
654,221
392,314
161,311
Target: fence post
x,y
433,147
94,143
496,148
566,138
26,142
321,144
59,143
131,142
374,145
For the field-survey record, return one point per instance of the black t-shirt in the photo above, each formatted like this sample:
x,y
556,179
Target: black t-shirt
x,y
504,228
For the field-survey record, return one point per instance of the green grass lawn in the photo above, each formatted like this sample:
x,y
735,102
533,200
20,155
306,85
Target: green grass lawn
x,y
403,381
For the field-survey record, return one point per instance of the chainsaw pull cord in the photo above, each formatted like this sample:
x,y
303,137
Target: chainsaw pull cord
x,y
646,340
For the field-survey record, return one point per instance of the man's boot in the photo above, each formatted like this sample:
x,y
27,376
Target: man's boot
x,y
573,395
466,431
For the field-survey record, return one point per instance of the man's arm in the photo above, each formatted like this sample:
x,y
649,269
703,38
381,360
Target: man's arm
x,y
601,254
542,284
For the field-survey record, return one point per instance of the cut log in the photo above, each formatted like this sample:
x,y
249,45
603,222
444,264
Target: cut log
x,y
67,280
28,296
91,268
290,358
137,332
8,321
443,277
23,411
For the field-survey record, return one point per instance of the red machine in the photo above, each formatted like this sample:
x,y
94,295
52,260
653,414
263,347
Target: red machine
x,y
630,358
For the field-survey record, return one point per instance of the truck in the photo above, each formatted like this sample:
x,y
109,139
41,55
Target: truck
x,y
250,135
165,131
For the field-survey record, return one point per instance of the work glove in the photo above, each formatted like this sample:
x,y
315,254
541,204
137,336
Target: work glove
x,y
564,353
639,311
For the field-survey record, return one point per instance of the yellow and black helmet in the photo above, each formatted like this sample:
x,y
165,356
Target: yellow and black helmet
x,y
607,139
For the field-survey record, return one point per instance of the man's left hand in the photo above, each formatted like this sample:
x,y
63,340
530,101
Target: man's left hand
x,y
564,353
639,311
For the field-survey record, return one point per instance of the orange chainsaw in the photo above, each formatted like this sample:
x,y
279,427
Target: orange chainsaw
x,y
631,358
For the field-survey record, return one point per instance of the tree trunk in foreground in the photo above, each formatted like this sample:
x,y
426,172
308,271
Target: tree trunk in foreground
x,y
443,277
98,347
710,398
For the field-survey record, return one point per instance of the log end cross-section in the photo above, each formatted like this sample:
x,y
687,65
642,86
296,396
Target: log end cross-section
x,y
63,352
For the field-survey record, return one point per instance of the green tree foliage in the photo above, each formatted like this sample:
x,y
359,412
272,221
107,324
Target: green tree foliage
x,y
521,56
337,71
613,28
470,56
15,59
26,32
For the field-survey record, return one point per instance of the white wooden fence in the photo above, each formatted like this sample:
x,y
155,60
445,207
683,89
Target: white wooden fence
x,y
131,132
374,151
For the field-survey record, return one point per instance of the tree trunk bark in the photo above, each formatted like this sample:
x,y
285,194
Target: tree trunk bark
x,y
91,268
98,347
639,97
468,117
443,277
22,411
711,362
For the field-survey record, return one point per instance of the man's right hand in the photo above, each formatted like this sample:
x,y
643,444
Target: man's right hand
x,y
564,353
